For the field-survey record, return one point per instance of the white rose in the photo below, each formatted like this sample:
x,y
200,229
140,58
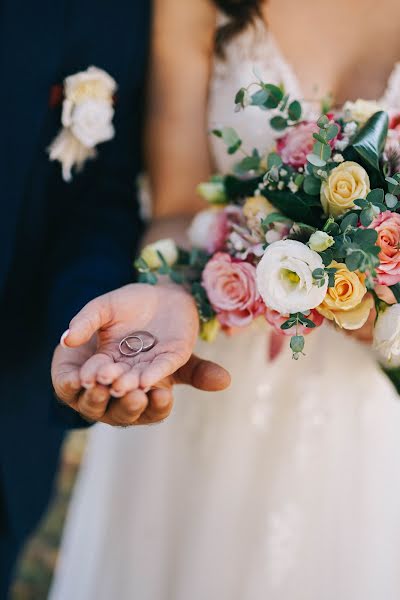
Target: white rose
x,y
93,83
360,110
89,121
387,336
320,241
284,277
166,247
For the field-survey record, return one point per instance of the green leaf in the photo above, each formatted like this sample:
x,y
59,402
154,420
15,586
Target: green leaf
x,y
150,278
248,163
391,200
366,217
353,260
273,160
319,138
289,324
315,160
370,140
299,206
312,185
273,218
217,133
376,196
235,147
332,131
294,110
322,121
278,123
141,265
177,277
350,220
318,273
365,237
275,95
236,187
240,96
230,136
327,257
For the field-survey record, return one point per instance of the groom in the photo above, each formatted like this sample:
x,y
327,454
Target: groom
x,y
62,242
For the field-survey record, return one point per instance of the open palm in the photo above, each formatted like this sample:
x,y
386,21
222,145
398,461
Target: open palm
x,y
167,312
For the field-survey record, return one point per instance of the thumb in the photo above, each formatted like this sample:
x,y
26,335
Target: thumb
x,y
95,315
203,375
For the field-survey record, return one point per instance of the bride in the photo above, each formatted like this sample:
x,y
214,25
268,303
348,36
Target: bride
x,y
286,486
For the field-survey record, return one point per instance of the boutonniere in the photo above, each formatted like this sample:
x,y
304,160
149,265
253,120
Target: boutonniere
x,y
87,114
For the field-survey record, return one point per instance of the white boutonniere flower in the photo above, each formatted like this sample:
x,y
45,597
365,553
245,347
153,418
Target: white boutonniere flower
x,y
87,114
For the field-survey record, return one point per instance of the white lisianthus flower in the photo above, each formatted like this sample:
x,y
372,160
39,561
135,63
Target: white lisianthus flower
x,y
387,336
285,280
360,110
166,247
320,241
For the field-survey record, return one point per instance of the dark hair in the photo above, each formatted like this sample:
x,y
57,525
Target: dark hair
x,y
241,13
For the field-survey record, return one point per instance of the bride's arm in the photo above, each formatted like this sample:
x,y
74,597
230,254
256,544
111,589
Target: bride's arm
x,y
177,151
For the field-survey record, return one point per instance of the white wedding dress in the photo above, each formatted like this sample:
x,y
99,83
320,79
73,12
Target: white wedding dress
x,y
284,487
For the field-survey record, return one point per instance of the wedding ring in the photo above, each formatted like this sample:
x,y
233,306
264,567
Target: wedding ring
x,y
147,345
133,351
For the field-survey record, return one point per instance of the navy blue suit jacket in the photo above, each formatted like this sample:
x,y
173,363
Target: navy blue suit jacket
x,y
61,244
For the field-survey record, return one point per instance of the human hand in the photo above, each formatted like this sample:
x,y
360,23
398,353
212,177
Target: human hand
x,y
90,357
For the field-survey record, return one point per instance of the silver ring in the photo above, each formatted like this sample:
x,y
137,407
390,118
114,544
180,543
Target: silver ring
x,y
152,342
134,352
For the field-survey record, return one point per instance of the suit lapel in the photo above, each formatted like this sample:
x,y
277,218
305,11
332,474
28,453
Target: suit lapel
x,y
29,65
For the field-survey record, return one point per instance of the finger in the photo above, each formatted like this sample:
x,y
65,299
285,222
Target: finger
x,y
127,410
159,408
162,366
92,404
111,371
90,319
203,375
127,382
67,385
91,367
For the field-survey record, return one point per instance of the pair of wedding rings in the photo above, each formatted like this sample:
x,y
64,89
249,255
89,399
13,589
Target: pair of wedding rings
x,y
137,342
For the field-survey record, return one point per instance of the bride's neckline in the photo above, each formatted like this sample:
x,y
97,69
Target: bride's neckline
x,y
259,42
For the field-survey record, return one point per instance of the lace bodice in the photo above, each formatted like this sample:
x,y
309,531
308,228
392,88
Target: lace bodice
x,y
256,51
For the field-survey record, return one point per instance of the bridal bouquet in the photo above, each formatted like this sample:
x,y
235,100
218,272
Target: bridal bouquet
x,y
306,232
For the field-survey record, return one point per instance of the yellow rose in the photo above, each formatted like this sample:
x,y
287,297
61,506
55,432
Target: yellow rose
x,y
346,183
347,303
361,110
255,210
167,248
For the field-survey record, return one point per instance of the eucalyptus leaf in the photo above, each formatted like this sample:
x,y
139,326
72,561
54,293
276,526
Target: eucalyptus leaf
x,y
353,260
391,200
315,160
278,123
294,110
332,131
376,196
350,220
312,185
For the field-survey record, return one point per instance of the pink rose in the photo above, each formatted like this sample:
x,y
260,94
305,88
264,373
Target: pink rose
x,y
276,320
387,225
232,290
209,230
294,146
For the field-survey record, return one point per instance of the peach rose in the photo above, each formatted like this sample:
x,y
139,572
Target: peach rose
x,y
232,290
387,225
347,302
